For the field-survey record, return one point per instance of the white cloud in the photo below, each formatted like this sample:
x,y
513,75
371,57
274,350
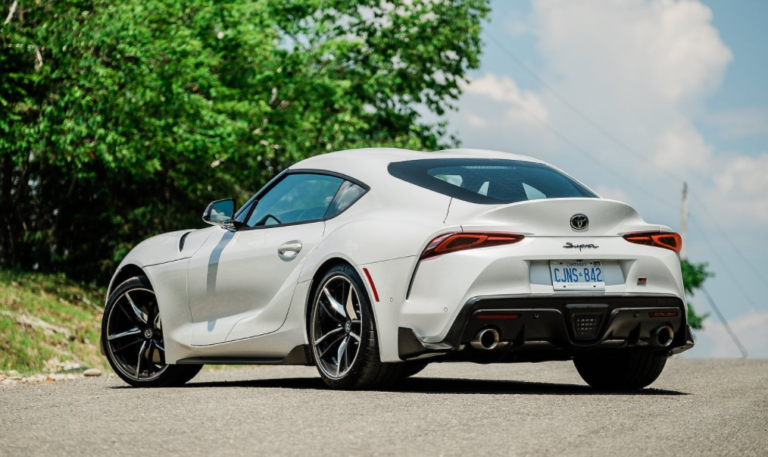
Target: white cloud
x,y
681,147
642,70
750,330
739,123
612,193
660,48
522,106
637,61
744,181
476,121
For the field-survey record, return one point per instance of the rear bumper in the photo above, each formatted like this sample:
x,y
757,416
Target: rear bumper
x,y
535,328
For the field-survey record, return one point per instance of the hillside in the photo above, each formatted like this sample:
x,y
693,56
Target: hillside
x,y
48,322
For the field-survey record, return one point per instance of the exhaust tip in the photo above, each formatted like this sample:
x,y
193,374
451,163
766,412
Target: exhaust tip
x,y
485,339
663,336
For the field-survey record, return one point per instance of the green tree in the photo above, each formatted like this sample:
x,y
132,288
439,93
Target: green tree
x,y
120,120
694,275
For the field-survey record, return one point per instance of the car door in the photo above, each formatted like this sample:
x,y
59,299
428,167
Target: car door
x,y
241,282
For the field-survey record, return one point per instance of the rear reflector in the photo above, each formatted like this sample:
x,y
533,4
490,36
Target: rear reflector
x,y
498,316
663,314
667,240
373,286
453,242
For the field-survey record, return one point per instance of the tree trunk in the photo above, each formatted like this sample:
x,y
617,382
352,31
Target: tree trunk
x,y
6,231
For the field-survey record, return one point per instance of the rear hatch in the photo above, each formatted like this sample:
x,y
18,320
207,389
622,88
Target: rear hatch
x,y
568,217
572,244
572,237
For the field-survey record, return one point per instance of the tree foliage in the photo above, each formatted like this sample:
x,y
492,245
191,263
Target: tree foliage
x,y
694,275
120,120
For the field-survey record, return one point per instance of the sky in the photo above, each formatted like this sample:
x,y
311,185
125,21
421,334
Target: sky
x,y
633,98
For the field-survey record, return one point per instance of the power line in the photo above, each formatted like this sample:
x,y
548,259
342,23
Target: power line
x,y
596,160
752,268
579,112
752,304
733,336
616,140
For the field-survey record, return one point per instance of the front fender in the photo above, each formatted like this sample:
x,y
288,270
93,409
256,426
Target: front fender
x,y
164,248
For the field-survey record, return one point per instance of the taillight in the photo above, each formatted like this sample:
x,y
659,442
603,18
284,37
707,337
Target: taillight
x,y
666,240
453,242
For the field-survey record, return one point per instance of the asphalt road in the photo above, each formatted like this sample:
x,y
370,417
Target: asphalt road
x,y
697,407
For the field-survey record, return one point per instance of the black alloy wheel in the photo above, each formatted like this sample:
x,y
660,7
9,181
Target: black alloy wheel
x,y
132,336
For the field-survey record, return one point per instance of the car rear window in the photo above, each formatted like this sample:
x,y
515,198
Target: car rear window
x,y
489,181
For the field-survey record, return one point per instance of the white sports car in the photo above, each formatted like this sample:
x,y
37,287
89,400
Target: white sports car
x,y
370,264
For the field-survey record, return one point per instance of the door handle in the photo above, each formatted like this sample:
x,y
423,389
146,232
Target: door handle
x,y
289,250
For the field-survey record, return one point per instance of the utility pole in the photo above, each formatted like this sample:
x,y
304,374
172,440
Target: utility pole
x,y
684,220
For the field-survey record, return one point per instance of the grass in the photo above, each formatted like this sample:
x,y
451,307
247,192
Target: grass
x,y
43,317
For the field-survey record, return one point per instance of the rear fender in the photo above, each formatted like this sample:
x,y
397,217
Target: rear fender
x,y
368,241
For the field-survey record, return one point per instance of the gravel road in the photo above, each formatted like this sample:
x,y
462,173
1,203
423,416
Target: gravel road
x,y
697,407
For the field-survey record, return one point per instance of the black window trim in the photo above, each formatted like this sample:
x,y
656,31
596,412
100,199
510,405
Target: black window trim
x,y
302,171
415,172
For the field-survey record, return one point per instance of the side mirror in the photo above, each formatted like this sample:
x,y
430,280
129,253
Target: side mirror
x,y
220,213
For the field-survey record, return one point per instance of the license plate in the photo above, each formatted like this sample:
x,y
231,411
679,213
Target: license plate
x,y
577,275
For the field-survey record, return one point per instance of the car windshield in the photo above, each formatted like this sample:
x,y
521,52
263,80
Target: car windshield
x,y
489,181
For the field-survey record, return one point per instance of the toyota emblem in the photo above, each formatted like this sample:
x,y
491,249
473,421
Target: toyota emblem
x,y
579,222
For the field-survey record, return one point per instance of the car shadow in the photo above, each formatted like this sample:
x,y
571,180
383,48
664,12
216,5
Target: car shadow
x,y
425,385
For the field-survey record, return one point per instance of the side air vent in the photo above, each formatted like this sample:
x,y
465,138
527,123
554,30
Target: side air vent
x,y
182,240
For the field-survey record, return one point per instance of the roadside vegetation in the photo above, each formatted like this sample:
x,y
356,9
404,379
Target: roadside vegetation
x,y
694,275
48,323
122,120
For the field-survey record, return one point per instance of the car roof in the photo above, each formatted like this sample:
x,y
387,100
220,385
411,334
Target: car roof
x,y
370,165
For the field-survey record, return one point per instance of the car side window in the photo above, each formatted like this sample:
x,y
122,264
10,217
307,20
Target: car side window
x,y
299,197
348,194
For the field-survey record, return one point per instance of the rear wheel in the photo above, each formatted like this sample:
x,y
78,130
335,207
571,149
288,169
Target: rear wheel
x,y
343,334
132,335
630,371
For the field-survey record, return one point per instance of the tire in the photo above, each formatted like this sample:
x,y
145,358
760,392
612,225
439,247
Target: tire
x,y
328,331
413,368
630,371
136,349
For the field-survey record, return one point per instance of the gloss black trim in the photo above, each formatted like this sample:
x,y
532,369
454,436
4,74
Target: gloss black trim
x,y
416,173
307,171
545,327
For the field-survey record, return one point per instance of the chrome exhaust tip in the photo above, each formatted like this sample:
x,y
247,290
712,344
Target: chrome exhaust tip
x,y
486,339
663,336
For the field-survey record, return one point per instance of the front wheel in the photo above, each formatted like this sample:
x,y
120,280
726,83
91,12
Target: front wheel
x,y
342,334
630,371
132,336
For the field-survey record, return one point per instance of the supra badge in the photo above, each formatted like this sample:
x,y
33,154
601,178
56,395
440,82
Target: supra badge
x,y
570,245
579,222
